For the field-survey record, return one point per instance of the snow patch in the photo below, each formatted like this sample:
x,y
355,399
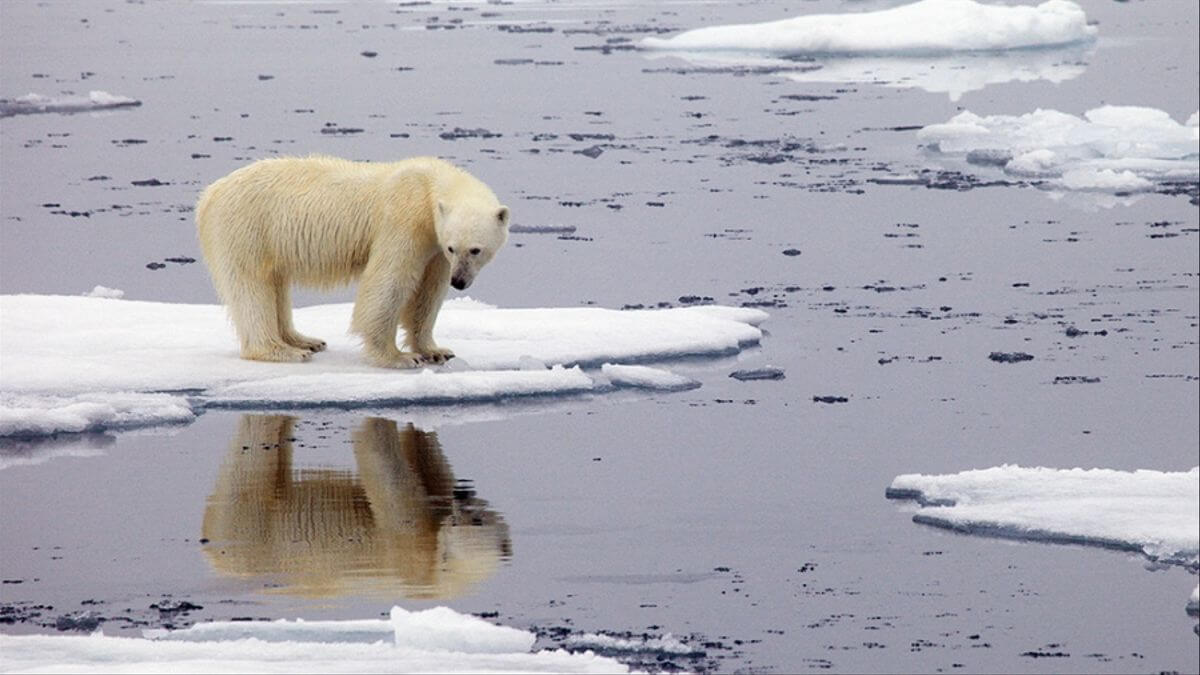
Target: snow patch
x,y
1110,148
645,377
1152,512
36,103
925,27
434,640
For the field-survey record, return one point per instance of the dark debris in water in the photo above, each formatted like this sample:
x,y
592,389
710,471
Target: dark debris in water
x,y
1010,357
766,373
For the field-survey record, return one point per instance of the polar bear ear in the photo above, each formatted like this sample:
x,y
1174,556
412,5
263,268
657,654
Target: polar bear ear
x,y
502,216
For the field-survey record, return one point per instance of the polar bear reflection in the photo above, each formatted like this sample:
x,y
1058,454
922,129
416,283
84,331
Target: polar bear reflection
x,y
400,526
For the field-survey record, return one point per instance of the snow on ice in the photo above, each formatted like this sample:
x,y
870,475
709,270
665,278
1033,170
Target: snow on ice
x,y
434,640
36,103
1109,149
87,363
1152,512
921,28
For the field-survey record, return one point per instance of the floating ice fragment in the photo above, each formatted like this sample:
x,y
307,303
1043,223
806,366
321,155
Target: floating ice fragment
x,y
1109,149
645,377
1156,513
36,103
105,292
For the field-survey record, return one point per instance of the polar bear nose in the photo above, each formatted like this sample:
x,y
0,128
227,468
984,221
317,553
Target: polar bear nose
x,y
459,283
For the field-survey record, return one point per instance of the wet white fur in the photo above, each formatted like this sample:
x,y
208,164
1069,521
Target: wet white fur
x,y
323,222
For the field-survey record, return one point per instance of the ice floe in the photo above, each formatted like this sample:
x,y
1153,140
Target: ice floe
x,y
1156,513
434,640
929,50
1109,149
925,27
36,103
65,358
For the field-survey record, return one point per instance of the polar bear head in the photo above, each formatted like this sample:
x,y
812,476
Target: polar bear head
x,y
470,233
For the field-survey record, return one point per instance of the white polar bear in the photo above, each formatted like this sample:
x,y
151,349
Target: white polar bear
x,y
405,229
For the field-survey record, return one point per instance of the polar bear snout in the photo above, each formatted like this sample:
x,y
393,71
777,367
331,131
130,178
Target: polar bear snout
x,y
459,283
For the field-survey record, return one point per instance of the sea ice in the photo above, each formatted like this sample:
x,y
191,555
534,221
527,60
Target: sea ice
x,y
26,415
1110,148
923,28
434,640
70,363
1156,513
645,377
36,103
667,644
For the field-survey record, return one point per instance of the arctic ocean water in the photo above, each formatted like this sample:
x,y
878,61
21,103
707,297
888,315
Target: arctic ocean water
x,y
747,517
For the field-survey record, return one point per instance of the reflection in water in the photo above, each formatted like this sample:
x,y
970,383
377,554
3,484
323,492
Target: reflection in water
x,y
401,525
950,74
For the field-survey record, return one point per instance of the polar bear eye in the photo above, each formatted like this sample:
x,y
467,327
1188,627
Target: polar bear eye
x,y
450,249
475,251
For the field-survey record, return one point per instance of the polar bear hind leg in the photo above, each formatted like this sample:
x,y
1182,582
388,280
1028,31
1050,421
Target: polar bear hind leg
x,y
254,307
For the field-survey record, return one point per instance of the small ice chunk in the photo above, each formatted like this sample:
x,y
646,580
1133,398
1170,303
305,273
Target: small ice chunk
x,y
1033,164
765,373
993,156
644,377
1105,180
105,292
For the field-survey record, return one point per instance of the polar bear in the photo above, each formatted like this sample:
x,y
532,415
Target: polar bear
x,y
404,229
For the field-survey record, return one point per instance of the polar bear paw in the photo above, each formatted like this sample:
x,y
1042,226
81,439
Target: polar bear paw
x,y
307,343
436,355
277,352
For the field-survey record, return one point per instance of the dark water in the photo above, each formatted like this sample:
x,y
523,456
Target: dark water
x,y
744,515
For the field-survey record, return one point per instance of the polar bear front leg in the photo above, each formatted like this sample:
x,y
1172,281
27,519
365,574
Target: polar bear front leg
x,y
283,301
383,293
422,309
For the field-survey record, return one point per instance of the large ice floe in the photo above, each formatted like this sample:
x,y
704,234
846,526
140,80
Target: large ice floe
x,y
71,364
925,27
1154,513
432,641
941,46
31,104
1109,149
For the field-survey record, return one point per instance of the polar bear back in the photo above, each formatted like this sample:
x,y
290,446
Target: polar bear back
x,y
316,219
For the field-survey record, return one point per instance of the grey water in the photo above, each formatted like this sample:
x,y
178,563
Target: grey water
x,y
745,516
